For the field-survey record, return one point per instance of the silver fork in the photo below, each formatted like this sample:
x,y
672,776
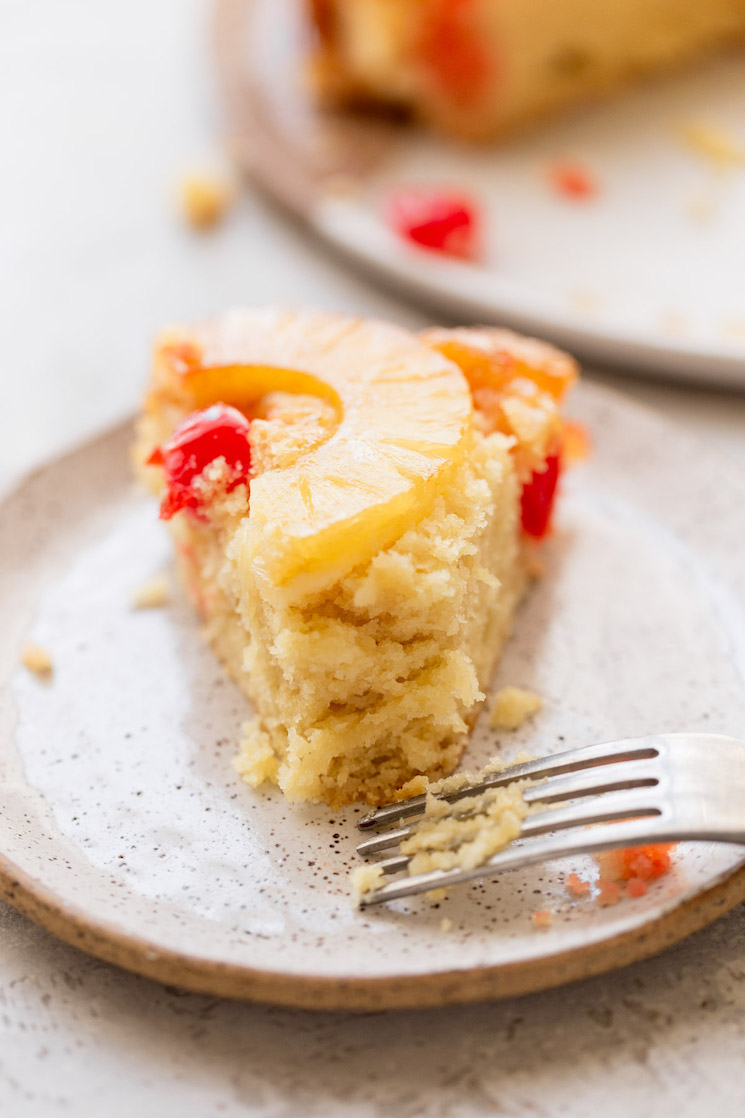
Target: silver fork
x,y
660,788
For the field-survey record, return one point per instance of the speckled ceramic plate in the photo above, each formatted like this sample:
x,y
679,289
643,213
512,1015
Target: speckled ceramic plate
x,y
649,274
124,829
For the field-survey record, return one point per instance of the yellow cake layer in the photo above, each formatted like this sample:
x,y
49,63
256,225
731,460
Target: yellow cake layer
x,y
525,58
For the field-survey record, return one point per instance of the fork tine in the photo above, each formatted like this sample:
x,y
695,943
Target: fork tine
x,y
615,835
582,782
588,756
631,803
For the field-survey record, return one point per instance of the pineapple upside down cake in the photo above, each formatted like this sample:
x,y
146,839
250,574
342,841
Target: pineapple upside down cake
x,y
481,68
351,506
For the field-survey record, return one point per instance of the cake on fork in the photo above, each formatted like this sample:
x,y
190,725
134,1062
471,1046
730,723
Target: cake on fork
x,y
349,504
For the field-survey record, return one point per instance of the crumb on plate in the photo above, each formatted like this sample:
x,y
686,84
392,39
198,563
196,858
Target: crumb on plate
x,y
542,918
151,594
627,872
701,209
573,180
436,895
446,924
512,707
713,143
456,835
646,862
609,893
365,879
577,886
37,659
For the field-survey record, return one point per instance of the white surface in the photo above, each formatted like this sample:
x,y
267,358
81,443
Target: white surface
x,y
108,104
121,799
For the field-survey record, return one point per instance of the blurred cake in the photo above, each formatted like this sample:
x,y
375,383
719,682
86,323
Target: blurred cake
x,y
479,68
349,504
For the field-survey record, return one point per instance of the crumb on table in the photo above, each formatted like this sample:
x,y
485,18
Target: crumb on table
x,y
37,659
204,200
151,594
512,707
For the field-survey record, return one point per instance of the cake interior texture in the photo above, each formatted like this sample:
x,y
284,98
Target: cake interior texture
x,y
365,665
480,68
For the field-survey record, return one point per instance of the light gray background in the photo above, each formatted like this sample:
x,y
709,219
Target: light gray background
x,y
103,106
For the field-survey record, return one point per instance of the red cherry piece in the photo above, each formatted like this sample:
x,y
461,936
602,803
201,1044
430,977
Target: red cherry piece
x,y
441,220
538,498
574,181
452,51
217,432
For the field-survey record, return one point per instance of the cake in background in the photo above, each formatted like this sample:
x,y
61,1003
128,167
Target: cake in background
x,y
481,68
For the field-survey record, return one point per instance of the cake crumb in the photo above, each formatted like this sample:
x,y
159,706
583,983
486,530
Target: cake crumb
x,y
365,879
701,209
586,302
256,760
151,594
436,895
543,918
204,200
446,924
720,148
573,180
37,659
512,707
417,786
577,886
609,893
645,862
636,887
628,871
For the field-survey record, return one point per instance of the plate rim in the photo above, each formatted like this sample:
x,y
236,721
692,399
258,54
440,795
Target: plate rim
x,y
142,955
263,151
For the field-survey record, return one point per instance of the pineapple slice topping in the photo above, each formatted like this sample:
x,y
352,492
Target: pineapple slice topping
x,y
403,416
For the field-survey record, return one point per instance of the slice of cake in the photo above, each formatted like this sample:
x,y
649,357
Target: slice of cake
x,y
478,68
349,505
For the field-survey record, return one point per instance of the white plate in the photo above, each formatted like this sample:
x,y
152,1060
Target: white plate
x,y
123,827
651,274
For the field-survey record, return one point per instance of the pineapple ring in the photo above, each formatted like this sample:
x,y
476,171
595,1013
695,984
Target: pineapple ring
x,y
403,410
